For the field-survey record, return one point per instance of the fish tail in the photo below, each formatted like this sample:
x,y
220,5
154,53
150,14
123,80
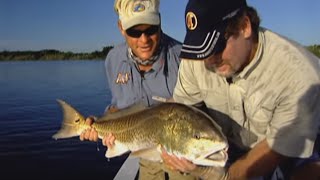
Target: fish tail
x,y
73,122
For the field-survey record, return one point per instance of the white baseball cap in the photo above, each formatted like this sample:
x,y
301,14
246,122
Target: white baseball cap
x,y
134,12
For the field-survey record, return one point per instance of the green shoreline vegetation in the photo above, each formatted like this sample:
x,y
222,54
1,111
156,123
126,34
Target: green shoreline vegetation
x,y
50,54
315,49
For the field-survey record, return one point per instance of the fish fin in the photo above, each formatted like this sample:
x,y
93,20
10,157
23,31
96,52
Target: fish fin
x,y
71,122
124,112
151,154
116,150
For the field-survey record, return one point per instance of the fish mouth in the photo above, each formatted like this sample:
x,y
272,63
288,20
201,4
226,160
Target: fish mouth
x,y
218,157
221,155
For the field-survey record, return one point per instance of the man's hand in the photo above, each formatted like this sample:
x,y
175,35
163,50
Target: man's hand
x,y
108,140
183,165
176,164
92,135
112,109
89,134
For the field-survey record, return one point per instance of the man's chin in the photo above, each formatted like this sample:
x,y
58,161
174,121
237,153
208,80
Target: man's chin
x,y
145,56
225,74
224,71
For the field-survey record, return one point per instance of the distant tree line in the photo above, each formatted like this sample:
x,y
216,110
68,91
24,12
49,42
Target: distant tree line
x,y
51,54
315,49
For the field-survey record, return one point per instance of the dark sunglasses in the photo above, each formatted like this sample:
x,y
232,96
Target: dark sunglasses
x,y
137,33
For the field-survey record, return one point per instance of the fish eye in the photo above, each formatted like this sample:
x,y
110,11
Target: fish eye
x,y
196,136
77,120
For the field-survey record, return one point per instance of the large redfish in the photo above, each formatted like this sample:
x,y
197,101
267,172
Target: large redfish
x,y
181,130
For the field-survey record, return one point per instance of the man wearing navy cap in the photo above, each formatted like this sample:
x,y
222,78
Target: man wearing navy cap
x,y
262,88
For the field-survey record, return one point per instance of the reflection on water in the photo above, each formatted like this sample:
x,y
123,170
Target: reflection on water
x,y
30,115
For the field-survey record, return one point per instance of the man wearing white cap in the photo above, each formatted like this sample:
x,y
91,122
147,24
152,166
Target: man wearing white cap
x,y
144,68
261,87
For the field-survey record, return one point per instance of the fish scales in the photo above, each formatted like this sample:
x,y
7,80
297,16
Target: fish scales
x,y
180,129
126,130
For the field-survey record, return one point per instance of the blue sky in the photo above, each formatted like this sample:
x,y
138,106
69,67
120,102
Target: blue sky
x,y
89,25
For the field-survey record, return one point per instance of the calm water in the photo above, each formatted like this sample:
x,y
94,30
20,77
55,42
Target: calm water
x,y
30,115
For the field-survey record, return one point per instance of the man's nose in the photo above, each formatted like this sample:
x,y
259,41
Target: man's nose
x,y
144,37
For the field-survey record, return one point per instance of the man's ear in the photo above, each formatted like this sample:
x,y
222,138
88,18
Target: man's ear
x,y
121,28
246,28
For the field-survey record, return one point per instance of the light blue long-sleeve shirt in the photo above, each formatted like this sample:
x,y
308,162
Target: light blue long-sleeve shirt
x,y
128,86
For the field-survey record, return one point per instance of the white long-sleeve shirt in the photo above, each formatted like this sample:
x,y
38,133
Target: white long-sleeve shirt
x,y
276,97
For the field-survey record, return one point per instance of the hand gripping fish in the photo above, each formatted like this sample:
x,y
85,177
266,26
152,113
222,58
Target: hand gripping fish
x,y
181,130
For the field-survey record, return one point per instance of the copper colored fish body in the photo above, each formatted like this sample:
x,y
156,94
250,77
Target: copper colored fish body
x,y
182,130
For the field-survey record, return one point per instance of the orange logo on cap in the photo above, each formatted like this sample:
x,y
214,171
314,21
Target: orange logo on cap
x,y
191,21
139,7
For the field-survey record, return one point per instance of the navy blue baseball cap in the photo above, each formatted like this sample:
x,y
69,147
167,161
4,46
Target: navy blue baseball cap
x,y
206,22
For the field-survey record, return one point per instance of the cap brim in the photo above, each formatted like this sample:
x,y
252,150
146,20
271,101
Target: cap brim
x,y
200,45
